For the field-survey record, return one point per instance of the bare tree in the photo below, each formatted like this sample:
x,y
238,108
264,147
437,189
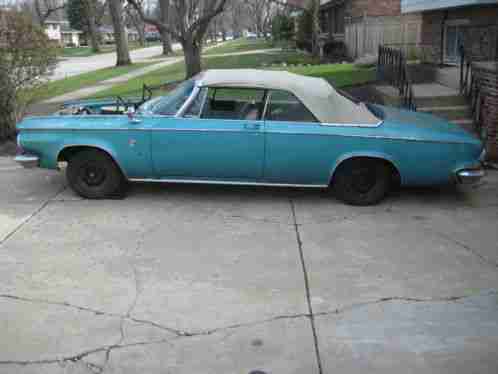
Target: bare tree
x,y
45,8
164,15
90,13
315,33
237,11
257,14
191,21
133,19
120,36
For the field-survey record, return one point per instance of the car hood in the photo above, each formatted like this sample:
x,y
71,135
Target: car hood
x,y
411,125
87,122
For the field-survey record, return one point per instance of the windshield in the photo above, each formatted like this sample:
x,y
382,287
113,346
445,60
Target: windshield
x,y
170,104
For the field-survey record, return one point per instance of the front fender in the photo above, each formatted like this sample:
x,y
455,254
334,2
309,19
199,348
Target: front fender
x,y
100,145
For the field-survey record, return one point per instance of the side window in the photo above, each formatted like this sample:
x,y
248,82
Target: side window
x,y
194,111
234,103
285,107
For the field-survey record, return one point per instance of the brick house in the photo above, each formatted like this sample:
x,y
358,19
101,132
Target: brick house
x,y
449,24
429,27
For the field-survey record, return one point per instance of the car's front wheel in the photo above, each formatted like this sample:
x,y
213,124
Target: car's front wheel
x,y
92,174
362,181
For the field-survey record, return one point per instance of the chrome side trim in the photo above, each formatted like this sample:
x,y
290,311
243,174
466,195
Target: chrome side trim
x,y
373,125
223,182
227,130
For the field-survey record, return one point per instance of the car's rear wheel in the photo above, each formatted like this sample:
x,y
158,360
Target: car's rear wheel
x,y
92,174
362,181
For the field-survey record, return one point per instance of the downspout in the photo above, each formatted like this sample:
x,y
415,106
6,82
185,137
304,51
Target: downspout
x,y
443,35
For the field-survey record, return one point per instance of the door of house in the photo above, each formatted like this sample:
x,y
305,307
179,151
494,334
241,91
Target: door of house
x,y
454,39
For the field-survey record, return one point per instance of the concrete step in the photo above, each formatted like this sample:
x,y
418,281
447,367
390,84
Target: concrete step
x,y
428,101
448,76
448,112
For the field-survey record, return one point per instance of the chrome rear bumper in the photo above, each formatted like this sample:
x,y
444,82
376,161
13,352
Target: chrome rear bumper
x,y
28,161
470,176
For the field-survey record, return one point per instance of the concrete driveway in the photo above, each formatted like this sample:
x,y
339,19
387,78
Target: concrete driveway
x,y
198,279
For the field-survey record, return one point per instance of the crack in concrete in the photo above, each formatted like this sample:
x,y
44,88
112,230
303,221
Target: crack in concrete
x,y
469,249
306,285
182,335
31,216
392,299
93,311
80,356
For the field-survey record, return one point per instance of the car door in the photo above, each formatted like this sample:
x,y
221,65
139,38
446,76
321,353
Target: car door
x,y
296,150
220,137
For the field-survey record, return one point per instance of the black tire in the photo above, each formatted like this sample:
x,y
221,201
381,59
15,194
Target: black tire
x,y
92,174
362,181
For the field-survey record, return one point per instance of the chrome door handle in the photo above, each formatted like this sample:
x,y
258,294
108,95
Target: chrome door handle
x,y
252,126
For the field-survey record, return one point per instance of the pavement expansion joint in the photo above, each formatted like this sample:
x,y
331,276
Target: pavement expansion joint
x,y
306,285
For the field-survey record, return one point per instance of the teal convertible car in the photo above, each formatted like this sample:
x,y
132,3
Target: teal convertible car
x,y
251,127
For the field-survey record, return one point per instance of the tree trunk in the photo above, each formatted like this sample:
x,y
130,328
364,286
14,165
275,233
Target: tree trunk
x,y
120,37
141,36
192,53
166,41
92,27
164,8
139,26
315,19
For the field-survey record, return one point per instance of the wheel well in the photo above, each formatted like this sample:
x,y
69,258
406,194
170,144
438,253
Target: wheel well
x,y
67,153
395,174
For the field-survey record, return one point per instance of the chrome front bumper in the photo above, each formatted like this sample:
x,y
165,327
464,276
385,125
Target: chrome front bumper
x,y
470,176
28,161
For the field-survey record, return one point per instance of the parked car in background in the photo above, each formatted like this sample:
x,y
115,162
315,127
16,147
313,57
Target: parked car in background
x,y
253,127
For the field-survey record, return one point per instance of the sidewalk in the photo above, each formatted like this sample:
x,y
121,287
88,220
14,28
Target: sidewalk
x,y
104,85
162,62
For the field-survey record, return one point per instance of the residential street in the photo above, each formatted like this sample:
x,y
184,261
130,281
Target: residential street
x,y
68,67
210,279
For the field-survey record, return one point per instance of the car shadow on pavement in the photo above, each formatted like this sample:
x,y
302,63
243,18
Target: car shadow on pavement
x,y
443,195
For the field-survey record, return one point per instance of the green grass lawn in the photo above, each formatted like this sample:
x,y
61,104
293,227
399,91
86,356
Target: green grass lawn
x,y
340,74
240,45
231,46
60,87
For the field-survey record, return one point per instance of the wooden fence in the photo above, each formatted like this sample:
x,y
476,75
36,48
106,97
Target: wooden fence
x,y
363,36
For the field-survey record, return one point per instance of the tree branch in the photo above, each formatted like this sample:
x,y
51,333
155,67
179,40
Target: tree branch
x,y
161,26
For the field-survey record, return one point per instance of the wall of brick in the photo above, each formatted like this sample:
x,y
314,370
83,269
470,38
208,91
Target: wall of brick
x,y
487,74
479,25
373,8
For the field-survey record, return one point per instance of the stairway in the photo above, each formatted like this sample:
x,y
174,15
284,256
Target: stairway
x,y
437,99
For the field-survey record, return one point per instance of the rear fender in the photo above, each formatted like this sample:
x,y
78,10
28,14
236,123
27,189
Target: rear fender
x,y
377,155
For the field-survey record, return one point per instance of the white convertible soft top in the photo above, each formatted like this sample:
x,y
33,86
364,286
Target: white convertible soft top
x,y
317,94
